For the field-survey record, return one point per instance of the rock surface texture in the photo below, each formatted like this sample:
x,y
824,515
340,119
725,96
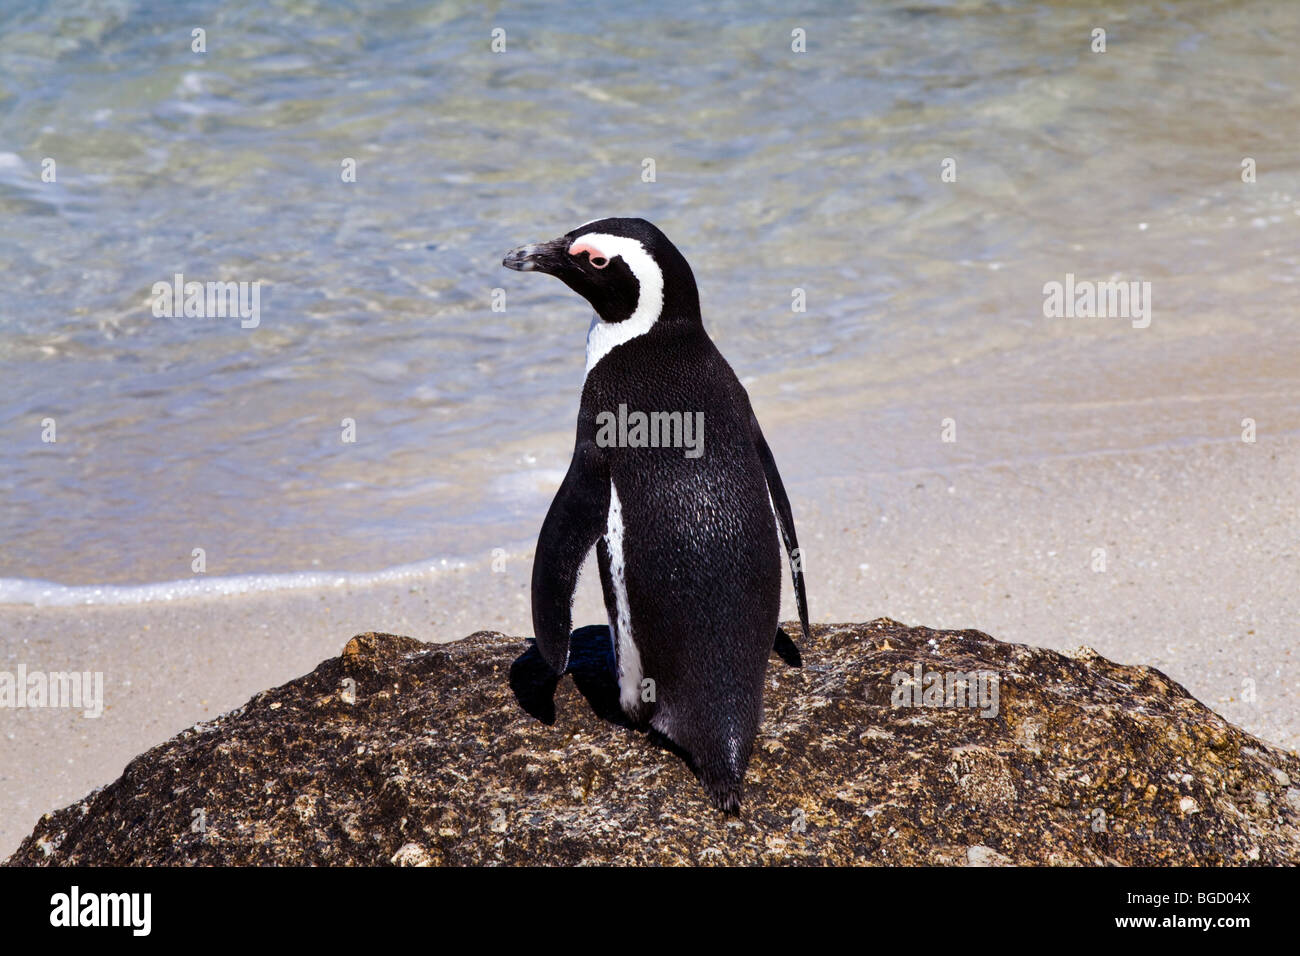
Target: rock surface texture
x,y
414,754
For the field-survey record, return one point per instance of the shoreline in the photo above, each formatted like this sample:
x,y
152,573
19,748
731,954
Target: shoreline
x,y
871,421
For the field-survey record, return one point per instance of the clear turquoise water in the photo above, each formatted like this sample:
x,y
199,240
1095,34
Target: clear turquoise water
x,y
774,170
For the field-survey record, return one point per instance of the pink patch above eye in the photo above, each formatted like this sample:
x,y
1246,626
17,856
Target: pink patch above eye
x,y
595,256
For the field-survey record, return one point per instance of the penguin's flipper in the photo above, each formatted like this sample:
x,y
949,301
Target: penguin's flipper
x,y
785,518
575,520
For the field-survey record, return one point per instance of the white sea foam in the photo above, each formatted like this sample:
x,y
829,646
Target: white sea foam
x,y
52,594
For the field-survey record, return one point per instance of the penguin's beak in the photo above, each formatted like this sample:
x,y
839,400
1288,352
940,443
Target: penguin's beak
x,y
537,257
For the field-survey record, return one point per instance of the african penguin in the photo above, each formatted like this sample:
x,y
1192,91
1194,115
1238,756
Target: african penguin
x,y
686,537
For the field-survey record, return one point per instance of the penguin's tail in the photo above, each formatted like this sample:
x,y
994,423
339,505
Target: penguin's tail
x,y
722,773
722,778
726,797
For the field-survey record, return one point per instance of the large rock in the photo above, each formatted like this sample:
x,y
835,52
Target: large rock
x,y
431,757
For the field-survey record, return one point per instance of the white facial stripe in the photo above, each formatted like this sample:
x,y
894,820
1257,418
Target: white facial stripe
x,y
604,336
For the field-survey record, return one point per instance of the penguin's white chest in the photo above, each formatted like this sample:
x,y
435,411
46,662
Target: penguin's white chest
x,y
625,650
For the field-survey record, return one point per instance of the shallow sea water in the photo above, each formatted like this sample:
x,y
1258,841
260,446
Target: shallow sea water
x,y
774,170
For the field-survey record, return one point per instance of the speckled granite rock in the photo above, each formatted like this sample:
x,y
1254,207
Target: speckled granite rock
x,y
431,758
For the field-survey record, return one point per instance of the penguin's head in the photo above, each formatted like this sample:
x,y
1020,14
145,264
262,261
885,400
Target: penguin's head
x,y
626,268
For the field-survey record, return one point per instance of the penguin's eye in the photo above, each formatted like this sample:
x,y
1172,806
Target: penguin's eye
x,y
594,255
